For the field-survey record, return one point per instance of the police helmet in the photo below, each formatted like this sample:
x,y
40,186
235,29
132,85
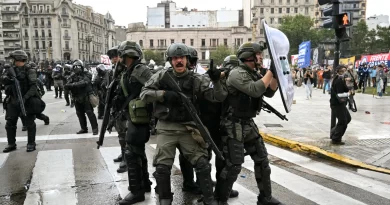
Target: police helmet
x,y
259,47
100,68
113,52
193,55
33,65
177,49
58,66
67,67
78,63
245,51
130,49
230,60
18,55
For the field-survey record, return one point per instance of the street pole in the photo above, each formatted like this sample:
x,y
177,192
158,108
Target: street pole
x,y
335,64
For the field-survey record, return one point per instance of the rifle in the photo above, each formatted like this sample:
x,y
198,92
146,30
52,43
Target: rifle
x,y
106,123
192,111
268,108
16,90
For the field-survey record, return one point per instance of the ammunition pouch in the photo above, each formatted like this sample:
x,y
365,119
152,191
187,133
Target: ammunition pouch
x,y
138,111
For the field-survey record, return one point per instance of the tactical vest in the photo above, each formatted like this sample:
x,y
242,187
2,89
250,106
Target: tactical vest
x,y
22,76
243,106
176,113
84,91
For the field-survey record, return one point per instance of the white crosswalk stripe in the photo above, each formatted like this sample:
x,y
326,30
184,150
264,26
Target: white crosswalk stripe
x,y
61,137
54,177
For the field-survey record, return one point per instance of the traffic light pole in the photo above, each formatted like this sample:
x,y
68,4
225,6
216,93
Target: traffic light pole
x,y
335,64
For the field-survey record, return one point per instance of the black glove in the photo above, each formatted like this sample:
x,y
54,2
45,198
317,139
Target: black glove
x,y
70,85
214,74
171,97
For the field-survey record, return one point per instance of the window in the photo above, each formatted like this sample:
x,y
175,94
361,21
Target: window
x,y
296,1
288,1
48,8
26,21
280,2
249,39
37,44
50,44
141,43
66,33
42,21
271,20
261,31
183,41
35,22
203,42
272,10
306,10
296,10
272,1
213,42
49,33
280,10
225,42
288,10
36,33
192,42
25,33
63,10
203,55
280,20
43,33
261,10
307,1
172,41
151,43
48,21
43,44
67,44
26,44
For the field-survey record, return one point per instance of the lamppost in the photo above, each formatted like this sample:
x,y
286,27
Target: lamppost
x,y
89,40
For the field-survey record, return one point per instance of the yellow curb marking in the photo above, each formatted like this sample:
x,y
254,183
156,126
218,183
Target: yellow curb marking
x,y
301,147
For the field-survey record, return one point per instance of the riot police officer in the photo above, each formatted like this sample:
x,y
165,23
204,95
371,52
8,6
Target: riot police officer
x,y
27,78
246,89
67,73
175,128
193,60
80,86
99,88
120,123
132,78
57,76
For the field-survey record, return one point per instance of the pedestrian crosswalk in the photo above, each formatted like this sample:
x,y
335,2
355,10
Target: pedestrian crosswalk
x,y
61,174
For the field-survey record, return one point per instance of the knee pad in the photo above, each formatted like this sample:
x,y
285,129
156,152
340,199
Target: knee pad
x,y
235,151
230,172
133,158
10,124
202,165
162,169
256,150
262,169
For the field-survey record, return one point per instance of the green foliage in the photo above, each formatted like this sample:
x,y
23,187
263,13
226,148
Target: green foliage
x,y
157,56
220,54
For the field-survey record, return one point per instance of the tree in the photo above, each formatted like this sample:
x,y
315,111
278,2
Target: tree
x,y
220,54
383,34
157,56
358,43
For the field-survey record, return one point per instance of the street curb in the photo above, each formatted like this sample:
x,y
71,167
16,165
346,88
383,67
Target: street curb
x,y
302,147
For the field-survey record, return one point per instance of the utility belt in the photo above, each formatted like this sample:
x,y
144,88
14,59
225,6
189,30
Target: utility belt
x,y
242,121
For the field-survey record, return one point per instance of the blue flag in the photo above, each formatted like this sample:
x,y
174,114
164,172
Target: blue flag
x,y
304,54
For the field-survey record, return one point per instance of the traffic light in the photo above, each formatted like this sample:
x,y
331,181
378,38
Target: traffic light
x,y
337,20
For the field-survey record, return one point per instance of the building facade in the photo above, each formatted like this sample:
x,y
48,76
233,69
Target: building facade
x,y
10,38
61,30
120,34
167,15
380,20
202,39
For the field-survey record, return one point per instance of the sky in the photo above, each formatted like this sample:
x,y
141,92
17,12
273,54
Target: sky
x,y
130,11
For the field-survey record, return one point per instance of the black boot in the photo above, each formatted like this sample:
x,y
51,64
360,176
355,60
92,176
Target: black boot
x,y
82,132
60,93
188,176
119,158
137,192
203,170
93,121
145,175
56,92
225,183
163,188
72,104
47,120
9,148
67,104
267,200
83,123
122,166
31,147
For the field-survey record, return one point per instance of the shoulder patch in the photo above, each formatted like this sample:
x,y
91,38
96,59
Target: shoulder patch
x,y
211,85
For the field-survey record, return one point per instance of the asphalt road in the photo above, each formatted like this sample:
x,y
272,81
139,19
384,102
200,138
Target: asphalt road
x,y
68,167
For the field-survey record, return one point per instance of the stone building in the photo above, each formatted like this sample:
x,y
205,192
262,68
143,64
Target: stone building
x,y
202,39
10,38
62,30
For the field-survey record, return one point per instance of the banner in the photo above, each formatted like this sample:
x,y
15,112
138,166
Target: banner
x,y
374,60
104,59
347,61
304,54
294,59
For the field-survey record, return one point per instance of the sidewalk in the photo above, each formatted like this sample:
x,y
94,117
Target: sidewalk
x,y
367,137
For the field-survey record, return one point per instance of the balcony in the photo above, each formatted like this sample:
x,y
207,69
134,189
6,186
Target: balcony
x,y
48,25
11,38
161,47
351,9
41,25
49,38
66,37
25,37
65,25
66,14
36,37
35,25
43,37
25,13
11,28
25,25
12,47
5,20
67,49
9,11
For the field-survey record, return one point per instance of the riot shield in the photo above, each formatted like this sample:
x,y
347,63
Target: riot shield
x,y
278,48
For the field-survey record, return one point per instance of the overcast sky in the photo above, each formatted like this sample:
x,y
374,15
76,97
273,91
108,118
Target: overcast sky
x,y
129,11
